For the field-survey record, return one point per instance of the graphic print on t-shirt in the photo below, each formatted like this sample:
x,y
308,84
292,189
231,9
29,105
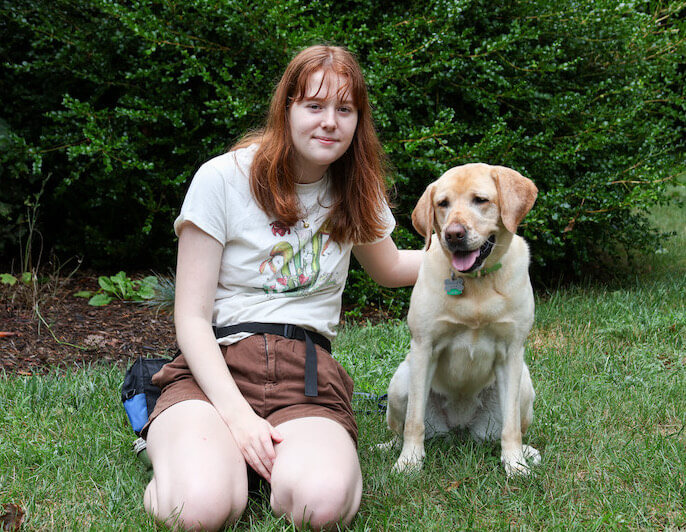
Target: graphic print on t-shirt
x,y
296,271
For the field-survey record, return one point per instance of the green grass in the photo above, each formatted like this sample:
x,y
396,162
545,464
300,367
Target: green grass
x,y
608,364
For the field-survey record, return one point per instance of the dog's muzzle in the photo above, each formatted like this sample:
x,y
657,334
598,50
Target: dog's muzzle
x,y
468,261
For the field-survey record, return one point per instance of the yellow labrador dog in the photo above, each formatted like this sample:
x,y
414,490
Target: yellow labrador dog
x,y
470,313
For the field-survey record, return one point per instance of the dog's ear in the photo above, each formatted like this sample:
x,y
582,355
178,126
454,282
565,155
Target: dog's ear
x,y
423,215
516,196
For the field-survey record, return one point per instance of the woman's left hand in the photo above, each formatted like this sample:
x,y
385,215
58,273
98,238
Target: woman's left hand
x,y
255,438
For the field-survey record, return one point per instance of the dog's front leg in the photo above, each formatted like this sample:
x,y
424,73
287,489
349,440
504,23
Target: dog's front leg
x,y
509,377
422,368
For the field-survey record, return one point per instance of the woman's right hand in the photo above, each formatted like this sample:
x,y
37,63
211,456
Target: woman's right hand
x,y
256,437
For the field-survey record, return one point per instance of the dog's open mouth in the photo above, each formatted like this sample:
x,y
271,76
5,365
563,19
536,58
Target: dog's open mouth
x,y
468,261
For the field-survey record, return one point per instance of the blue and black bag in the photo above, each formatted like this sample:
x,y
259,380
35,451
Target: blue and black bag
x,y
138,393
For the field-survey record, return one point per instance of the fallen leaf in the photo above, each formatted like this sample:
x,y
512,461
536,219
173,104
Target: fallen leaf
x,y
7,333
455,484
12,518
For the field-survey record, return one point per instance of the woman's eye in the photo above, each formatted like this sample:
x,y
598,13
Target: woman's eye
x,y
345,109
314,106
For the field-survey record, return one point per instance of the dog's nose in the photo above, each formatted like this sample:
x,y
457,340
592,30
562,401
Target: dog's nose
x,y
455,233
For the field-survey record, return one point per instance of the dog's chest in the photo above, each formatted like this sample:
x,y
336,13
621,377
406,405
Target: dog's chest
x,y
466,359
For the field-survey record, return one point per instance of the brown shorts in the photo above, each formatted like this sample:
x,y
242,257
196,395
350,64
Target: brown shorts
x,y
269,371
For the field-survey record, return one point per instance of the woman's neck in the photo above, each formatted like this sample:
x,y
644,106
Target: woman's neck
x,y
309,173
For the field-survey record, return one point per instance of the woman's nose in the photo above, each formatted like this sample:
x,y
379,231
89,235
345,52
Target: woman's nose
x,y
329,119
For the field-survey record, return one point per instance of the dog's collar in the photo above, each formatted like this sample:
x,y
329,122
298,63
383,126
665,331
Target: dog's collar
x,y
454,286
484,271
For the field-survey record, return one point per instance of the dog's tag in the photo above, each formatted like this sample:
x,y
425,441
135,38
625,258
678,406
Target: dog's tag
x,y
454,287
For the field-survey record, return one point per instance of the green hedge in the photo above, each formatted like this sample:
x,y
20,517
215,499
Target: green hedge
x,y
111,106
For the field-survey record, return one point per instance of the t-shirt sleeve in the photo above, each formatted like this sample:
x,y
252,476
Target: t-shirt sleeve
x,y
205,204
388,222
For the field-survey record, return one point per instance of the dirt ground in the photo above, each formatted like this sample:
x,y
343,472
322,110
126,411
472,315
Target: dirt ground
x,y
67,333
71,334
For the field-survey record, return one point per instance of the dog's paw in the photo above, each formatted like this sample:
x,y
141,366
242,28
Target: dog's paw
x,y
409,462
519,464
531,455
516,469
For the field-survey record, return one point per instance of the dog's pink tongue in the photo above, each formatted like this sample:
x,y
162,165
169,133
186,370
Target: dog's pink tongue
x,y
463,262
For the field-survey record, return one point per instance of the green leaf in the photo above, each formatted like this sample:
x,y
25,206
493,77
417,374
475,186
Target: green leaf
x,y
100,300
124,285
83,293
147,287
150,280
7,278
27,278
146,292
106,284
120,277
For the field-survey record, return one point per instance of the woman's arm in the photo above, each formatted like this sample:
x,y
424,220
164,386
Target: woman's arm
x,y
388,265
197,273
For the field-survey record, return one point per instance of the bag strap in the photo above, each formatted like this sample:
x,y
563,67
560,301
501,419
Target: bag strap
x,y
292,332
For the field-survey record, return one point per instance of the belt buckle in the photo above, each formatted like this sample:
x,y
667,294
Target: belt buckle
x,y
289,331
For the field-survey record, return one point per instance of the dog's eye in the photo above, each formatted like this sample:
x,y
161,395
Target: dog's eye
x,y
443,203
480,200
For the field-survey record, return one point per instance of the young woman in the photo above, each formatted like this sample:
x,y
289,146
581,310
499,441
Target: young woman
x,y
265,235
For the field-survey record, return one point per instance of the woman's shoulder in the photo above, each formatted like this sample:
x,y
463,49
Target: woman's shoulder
x,y
232,165
226,173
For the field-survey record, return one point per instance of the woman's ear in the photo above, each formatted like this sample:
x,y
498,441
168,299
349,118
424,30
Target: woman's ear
x,y
423,215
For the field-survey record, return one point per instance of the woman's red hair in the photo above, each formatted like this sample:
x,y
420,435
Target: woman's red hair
x,y
357,177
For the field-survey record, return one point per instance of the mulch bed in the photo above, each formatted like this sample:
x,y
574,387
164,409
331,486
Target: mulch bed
x,y
70,334
73,334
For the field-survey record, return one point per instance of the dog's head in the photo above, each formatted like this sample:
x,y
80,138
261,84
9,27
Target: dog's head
x,y
470,208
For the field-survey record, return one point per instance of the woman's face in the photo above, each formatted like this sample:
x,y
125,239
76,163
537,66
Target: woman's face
x,y
322,126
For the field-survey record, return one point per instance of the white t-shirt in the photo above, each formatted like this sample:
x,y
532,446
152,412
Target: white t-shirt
x,y
269,272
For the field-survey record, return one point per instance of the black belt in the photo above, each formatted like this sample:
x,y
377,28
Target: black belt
x,y
288,331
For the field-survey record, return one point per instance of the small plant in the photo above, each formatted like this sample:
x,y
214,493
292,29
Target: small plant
x,y
122,287
165,289
11,280
20,291
32,287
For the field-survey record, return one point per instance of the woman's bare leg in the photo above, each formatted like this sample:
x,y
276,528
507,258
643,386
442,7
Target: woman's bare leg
x,y
200,478
316,478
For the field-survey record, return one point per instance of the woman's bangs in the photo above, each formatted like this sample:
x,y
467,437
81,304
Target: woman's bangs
x,y
347,91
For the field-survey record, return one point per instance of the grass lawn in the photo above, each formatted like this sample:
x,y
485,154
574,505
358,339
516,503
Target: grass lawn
x,y
608,364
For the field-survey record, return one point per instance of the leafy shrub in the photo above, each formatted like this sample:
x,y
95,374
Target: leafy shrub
x,y
113,105
121,286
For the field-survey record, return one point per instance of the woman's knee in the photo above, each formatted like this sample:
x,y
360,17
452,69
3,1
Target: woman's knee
x,y
195,503
318,500
200,479
316,478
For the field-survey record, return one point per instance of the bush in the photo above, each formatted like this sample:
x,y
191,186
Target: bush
x,y
114,105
